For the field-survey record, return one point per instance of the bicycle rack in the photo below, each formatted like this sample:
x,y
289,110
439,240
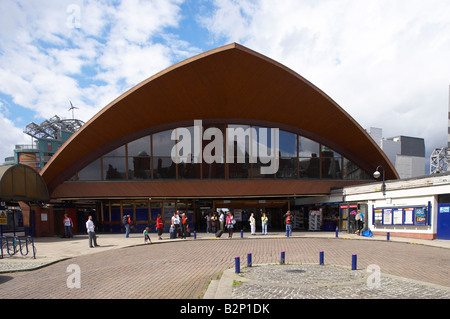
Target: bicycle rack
x,y
17,241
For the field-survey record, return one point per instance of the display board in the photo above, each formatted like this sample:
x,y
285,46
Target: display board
x,y
410,215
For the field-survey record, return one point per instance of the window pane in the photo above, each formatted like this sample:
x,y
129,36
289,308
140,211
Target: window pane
x,y
114,168
288,155
92,172
331,164
352,171
163,166
309,162
238,142
213,165
139,159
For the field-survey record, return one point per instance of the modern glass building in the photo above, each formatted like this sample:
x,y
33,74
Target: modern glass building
x,y
202,135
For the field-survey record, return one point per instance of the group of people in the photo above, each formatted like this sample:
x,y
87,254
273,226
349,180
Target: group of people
x,y
221,222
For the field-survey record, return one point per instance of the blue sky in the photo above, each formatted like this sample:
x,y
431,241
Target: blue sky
x,y
386,62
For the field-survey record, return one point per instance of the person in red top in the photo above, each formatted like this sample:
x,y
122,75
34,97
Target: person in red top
x,y
288,224
184,224
159,226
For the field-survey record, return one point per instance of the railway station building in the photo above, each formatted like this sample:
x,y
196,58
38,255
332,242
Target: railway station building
x,y
227,129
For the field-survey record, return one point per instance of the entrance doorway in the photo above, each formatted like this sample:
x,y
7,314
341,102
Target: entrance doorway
x,y
242,208
443,218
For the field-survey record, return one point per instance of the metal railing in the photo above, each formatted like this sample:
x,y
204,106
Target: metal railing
x,y
17,245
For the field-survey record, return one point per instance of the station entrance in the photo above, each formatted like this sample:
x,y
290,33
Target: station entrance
x,y
242,209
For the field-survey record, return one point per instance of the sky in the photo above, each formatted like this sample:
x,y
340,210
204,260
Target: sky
x,y
385,62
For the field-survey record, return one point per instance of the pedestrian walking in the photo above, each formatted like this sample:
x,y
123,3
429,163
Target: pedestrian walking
x,y
147,239
126,221
68,224
230,222
90,227
252,224
159,226
264,220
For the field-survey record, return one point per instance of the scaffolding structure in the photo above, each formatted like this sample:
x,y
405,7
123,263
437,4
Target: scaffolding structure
x,y
51,129
440,160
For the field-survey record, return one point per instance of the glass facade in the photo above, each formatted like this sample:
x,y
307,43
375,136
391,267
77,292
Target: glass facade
x,y
222,151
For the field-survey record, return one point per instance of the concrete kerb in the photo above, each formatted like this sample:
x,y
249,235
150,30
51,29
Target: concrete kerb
x,y
51,250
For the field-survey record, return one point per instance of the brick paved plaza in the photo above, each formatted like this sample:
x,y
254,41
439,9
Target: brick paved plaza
x,y
184,269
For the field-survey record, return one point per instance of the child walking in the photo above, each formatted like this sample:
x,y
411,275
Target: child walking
x,y
147,239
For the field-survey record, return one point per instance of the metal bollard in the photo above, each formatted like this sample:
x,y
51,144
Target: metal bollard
x,y
283,258
242,233
337,229
249,259
195,234
388,236
321,258
354,258
237,265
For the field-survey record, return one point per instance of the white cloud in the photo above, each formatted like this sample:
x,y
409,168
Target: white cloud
x,y
385,62
88,52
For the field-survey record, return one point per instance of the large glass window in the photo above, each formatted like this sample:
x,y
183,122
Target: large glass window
x,y
222,151
163,166
309,158
139,159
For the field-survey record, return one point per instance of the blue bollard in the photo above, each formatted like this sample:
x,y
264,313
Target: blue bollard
x,y
242,233
195,234
249,259
388,235
283,258
321,258
237,265
337,229
354,262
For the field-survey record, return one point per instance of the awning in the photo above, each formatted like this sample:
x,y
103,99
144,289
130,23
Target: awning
x,y
22,183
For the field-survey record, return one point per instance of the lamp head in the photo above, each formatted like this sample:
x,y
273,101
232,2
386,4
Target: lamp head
x,y
376,174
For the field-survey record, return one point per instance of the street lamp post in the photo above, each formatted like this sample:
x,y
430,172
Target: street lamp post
x,y
377,174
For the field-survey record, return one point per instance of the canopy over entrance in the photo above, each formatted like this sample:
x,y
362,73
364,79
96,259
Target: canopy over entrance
x,y
22,183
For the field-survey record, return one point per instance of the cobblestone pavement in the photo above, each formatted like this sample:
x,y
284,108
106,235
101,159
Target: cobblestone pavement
x,y
184,269
314,281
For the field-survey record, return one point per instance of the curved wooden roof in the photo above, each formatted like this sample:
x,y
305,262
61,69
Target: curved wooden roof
x,y
22,183
230,83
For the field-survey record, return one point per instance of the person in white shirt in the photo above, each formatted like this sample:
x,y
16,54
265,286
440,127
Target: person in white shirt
x,y
176,222
90,227
221,220
252,224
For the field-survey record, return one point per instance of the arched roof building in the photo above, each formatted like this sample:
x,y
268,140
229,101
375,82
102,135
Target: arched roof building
x,y
230,85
